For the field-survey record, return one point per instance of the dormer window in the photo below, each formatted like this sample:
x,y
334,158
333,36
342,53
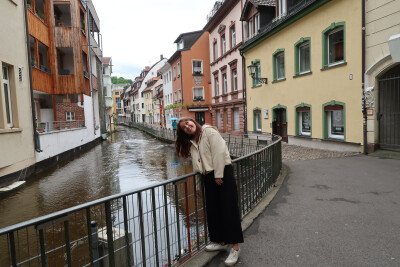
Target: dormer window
x,y
252,26
281,10
180,44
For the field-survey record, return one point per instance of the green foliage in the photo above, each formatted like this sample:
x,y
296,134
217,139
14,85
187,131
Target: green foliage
x,y
120,80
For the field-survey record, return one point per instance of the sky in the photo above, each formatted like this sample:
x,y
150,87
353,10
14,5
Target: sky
x,y
136,32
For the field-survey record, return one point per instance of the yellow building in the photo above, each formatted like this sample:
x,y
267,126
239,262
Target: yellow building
x,y
117,107
310,52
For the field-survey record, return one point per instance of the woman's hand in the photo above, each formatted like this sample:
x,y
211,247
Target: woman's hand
x,y
218,181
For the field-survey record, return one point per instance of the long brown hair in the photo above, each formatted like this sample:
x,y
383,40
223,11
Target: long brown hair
x,y
182,142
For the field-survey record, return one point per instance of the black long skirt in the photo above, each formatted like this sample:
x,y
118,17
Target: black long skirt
x,y
222,208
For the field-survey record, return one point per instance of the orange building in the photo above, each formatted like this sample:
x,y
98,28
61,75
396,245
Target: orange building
x,y
191,77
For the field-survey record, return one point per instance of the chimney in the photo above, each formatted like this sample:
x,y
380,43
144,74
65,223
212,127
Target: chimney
x,y
161,57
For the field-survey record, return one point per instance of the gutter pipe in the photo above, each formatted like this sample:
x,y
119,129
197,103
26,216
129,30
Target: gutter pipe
x,y
364,108
36,138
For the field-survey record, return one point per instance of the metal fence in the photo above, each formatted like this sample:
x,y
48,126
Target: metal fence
x,y
52,126
160,225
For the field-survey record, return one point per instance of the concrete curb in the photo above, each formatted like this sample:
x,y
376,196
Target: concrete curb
x,y
203,258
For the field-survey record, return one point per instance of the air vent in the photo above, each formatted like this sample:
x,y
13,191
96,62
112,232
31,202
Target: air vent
x,y
20,74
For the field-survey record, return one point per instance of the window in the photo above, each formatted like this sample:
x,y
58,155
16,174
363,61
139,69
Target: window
x,y
43,57
334,45
281,8
179,70
234,80
236,122
303,124
218,115
257,76
179,95
223,44
216,86
233,36
256,23
302,56
69,116
334,120
198,93
62,15
197,66
279,64
180,44
224,84
250,27
37,7
257,120
7,97
245,30
176,97
116,93
215,51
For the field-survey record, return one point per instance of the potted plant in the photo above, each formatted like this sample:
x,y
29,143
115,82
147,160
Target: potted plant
x,y
39,129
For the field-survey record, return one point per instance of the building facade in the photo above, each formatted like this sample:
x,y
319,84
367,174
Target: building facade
x,y
305,82
382,74
16,121
107,92
191,77
227,87
166,75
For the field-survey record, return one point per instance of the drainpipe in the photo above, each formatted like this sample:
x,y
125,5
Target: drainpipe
x,y
364,110
244,90
180,66
90,65
36,138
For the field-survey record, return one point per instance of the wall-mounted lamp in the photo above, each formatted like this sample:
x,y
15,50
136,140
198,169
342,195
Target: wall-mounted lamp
x,y
252,71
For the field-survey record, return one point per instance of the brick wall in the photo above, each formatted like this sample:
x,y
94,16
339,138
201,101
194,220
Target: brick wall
x,y
62,108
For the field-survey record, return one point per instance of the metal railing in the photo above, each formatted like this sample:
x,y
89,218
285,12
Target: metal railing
x,y
53,126
159,225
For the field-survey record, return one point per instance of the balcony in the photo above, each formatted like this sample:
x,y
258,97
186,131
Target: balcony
x,y
54,126
66,85
42,81
108,101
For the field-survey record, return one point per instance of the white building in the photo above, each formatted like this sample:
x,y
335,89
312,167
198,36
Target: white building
x,y
166,75
107,71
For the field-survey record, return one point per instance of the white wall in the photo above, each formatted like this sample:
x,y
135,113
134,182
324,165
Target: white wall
x,y
46,115
55,143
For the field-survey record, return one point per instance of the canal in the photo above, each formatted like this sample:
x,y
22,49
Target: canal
x,y
130,159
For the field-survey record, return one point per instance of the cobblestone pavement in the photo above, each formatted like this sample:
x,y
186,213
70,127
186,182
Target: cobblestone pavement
x,y
294,153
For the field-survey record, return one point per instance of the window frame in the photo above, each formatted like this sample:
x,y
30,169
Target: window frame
x,y
297,55
275,55
8,109
223,44
68,116
234,120
333,28
178,69
234,79
298,119
224,83
215,50
202,93
232,36
201,66
327,108
257,111
216,85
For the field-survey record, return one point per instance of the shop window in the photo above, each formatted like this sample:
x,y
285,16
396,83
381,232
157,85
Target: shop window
x,y
334,120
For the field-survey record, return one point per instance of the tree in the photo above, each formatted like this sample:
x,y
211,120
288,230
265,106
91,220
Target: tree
x,y
120,80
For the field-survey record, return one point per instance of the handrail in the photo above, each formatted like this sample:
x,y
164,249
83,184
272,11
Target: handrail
x,y
161,224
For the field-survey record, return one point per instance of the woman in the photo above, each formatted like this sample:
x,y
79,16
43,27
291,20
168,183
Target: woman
x,y
210,157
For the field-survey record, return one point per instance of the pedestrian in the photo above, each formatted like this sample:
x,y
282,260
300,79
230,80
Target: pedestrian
x,y
174,127
211,158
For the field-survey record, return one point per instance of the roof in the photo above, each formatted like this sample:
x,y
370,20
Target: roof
x,y
256,4
189,35
106,60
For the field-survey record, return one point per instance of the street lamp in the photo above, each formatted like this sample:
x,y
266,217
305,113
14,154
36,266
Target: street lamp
x,y
252,71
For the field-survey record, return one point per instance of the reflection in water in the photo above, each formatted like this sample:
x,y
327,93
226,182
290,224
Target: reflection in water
x,y
130,160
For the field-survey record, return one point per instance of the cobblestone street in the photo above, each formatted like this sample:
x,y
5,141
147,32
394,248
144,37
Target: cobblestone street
x,y
294,153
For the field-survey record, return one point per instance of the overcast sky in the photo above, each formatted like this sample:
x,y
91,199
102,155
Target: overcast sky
x,y
136,32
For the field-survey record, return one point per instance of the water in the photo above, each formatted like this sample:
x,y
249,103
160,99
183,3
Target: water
x,y
130,160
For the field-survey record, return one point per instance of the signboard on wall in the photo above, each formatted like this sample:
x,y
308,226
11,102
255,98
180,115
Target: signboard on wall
x,y
265,113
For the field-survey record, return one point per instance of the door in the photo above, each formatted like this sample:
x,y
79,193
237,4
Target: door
x,y
200,118
389,109
279,126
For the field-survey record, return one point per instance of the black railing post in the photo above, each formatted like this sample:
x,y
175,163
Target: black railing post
x,y
67,243
126,228
195,178
167,224
177,221
42,248
140,203
153,199
12,249
110,238
93,243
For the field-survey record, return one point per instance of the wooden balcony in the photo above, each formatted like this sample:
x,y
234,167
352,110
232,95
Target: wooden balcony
x,y
38,29
63,37
42,81
66,85
87,87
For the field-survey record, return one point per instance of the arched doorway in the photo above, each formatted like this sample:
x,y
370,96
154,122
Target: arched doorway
x,y
279,123
389,109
